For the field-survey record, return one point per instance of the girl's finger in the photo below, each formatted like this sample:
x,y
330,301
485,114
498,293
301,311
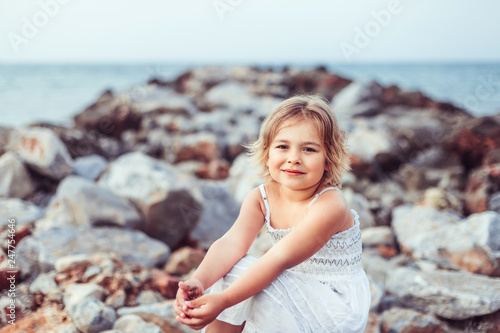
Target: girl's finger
x,y
189,321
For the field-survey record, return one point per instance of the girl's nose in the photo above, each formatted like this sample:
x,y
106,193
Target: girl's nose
x,y
294,159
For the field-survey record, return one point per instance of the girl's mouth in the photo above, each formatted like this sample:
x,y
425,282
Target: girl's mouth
x,y
293,172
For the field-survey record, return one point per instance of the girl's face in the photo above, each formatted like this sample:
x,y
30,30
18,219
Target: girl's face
x,y
296,156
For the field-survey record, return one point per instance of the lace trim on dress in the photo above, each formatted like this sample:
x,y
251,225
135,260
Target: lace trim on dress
x,y
341,255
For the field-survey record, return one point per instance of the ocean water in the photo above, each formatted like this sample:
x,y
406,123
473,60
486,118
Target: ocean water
x,y
56,92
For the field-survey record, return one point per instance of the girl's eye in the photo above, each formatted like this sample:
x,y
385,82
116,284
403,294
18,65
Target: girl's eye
x,y
310,149
281,147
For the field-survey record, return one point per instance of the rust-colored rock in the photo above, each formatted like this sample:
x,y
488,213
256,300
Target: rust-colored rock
x,y
184,260
481,183
46,319
201,151
166,284
162,323
386,251
215,170
475,260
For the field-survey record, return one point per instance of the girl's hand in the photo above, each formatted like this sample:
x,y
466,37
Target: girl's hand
x,y
202,311
188,290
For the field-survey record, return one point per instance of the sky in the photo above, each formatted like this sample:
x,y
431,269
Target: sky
x,y
231,31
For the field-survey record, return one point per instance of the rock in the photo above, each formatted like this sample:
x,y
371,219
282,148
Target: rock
x,y
218,214
382,198
91,271
472,243
243,177
4,138
214,170
133,323
183,260
110,115
366,144
149,297
373,325
78,292
377,236
44,284
359,203
166,284
20,211
358,99
377,293
44,319
316,81
70,262
39,252
474,140
231,95
90,166
92,316
488,324
92,141
117,299
171,209
24,302
494,202
410,321
156,99
15,180
43,151
378,267
198,147
81,202
163,310
481,183
165,325
440,199
448,294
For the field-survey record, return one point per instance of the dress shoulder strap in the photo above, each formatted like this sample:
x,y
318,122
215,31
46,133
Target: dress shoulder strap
x,y
264,197
324,190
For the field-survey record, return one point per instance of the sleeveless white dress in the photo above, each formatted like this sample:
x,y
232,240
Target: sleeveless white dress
x,y
328,292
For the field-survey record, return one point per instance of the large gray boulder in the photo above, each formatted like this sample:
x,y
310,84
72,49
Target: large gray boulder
x,y
40,251
170,208
220,210
92,315
81,202
449,294
472,243
43,151
15,180
408,320
90,166
20,211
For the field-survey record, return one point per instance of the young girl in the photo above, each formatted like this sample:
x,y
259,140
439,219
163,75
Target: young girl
x,y
311,280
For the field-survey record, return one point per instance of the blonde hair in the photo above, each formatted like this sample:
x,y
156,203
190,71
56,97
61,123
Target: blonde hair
x,y
313,108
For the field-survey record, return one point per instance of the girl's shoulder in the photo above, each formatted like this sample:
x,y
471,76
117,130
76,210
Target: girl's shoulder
x,y
333,204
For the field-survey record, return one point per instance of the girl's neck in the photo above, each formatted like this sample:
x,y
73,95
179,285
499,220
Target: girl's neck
x,y
296,196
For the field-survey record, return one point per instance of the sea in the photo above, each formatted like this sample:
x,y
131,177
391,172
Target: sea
x,y
54,93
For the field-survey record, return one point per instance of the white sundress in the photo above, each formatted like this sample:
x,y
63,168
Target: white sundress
x,y
328,292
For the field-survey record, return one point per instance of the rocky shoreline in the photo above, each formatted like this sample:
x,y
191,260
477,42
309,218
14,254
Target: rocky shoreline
x,y
109,215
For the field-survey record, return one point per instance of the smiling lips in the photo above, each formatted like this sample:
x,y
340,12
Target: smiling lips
x,y
293,172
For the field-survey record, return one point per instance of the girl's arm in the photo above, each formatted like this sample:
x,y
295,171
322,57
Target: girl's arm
x,y
224,252
231,247
308,237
